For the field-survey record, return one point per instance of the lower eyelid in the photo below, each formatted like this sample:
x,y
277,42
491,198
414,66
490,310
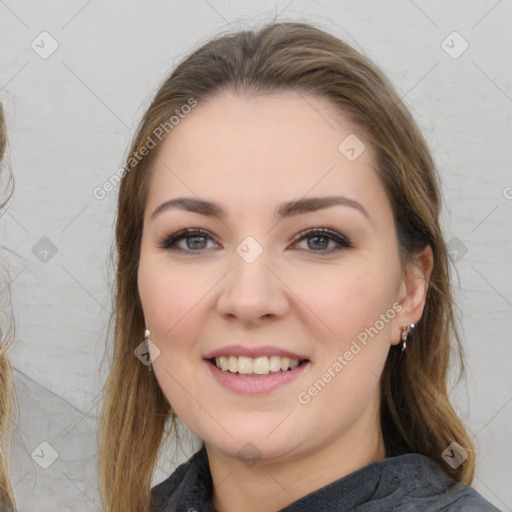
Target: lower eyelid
x,y
338,247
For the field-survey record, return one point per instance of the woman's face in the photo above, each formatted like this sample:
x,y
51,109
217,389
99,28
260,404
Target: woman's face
x,y
251,283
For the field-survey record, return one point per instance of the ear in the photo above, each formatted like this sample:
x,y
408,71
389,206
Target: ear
x,y
413,291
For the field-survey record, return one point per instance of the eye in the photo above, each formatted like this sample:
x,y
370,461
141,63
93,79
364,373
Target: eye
x,y
195,239
321,237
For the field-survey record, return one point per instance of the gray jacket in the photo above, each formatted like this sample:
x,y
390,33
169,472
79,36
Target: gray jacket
x,y
404,483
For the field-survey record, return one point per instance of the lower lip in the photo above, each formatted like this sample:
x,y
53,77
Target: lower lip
x,y
252,385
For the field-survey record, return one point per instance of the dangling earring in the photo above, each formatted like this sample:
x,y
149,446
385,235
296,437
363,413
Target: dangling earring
x,y
406,330
146,345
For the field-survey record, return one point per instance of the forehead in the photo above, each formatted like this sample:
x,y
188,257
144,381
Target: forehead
x,y
257,149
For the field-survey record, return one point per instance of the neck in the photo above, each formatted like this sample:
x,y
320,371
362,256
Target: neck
x,y
237,486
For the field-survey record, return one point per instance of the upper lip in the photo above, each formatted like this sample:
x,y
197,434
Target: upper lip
x,y
253,352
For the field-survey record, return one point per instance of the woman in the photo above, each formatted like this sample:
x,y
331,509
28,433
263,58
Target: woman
x,y
279,249
6,384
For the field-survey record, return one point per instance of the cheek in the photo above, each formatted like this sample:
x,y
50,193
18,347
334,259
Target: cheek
x,y
169,296
352,299
171,302
358,308
370,297
176,300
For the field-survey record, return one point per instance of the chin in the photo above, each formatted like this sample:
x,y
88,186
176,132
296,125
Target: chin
x,y
250,445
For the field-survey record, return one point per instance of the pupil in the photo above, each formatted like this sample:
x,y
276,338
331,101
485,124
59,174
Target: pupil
x,y
194,244
323,246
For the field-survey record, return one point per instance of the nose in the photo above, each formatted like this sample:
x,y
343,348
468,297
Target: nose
x,y
253,289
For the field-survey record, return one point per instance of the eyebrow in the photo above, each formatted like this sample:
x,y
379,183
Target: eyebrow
x,y
284,210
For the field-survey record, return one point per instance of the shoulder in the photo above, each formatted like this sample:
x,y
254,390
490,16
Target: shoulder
x,y
404,483
161,492
177,482
458,498
189,479
427,486
467,499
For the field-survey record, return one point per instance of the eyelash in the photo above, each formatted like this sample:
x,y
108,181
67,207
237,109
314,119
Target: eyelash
x,y
169,243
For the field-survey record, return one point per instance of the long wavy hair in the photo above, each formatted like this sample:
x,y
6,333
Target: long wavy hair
x,y
6,379
277,57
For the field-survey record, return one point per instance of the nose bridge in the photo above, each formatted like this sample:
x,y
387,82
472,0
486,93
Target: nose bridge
x,y
251,290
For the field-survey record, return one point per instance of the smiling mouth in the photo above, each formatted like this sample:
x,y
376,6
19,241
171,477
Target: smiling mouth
x,y
258,366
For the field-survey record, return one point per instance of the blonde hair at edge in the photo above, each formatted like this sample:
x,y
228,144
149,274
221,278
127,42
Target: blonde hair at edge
x,y
278,57
6,383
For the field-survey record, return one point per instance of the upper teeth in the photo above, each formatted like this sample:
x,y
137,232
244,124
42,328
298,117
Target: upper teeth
x,y
257,365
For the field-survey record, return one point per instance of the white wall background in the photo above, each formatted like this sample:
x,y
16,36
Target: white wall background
x,y
71,116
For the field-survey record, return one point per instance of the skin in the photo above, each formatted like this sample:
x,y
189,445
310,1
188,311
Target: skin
x,y
251,155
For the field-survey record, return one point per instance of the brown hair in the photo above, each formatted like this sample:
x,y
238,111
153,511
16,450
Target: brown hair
x,y
6,382
275,58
